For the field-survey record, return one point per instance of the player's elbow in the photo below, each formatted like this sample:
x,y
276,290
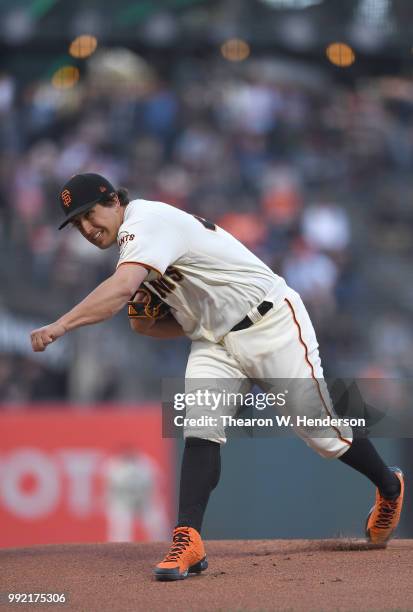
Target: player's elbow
x,y
129,277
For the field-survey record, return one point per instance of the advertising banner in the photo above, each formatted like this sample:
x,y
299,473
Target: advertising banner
x,y
84,476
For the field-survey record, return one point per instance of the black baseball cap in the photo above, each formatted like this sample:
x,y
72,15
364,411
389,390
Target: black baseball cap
x,y
82,192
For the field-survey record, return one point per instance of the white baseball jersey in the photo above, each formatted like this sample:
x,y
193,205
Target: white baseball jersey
x,y
210,280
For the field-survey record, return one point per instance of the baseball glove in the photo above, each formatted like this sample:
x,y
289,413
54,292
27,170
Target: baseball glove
x,y
146,305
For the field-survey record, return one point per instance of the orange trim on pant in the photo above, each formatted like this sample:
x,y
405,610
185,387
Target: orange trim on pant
x,y
313,373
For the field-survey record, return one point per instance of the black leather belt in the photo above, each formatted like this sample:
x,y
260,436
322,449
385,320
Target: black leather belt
x,y
246,322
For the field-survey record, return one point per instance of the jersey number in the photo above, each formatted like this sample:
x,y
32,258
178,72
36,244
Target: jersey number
x,y
208,224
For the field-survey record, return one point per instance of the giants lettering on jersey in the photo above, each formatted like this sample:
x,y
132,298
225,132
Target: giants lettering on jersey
x,y
125,237
166,284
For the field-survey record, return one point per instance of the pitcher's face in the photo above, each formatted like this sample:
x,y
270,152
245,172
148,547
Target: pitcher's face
x,y
100,224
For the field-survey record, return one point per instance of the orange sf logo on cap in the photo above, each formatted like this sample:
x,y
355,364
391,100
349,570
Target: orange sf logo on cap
x,y
66,198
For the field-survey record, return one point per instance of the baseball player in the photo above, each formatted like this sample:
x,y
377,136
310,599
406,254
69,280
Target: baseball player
x,y
131,494
245,324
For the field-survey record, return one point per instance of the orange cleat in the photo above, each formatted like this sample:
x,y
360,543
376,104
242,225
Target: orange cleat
x,y
384,517
186,556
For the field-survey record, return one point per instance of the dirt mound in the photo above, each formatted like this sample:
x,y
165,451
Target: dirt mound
x,y
260,575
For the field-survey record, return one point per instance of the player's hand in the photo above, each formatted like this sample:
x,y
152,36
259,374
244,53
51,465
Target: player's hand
x,y
42,337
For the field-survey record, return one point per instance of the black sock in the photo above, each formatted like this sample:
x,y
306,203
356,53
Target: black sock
x,y
200,472
363,457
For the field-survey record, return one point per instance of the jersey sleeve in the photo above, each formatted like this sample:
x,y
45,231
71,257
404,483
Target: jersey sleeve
x,y
151,242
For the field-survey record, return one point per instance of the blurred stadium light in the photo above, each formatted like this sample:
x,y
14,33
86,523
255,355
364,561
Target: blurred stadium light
x,y
83,46
65,77
235,50
340,54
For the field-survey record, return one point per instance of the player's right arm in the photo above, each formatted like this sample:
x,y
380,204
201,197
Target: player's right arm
x,y
167,327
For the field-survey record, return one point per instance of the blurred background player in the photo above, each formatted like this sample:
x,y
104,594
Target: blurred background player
x,y
132,497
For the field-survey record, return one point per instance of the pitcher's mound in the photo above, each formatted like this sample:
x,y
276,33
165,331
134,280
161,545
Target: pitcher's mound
x,y
260,575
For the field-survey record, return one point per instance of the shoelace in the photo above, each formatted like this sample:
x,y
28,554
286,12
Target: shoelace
x,y
181,540
386,511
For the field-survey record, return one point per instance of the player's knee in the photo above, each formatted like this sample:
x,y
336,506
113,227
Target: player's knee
x,y
194,441
209,434
329,448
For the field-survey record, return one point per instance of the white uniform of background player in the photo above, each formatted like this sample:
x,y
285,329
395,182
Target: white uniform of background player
x,y
211,281
131,494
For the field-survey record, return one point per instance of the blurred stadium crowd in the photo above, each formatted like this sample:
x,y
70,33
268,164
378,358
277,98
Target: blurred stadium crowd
x,y
313,175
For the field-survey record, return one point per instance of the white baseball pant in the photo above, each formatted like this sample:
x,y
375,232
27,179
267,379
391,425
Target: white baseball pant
x,y
281,345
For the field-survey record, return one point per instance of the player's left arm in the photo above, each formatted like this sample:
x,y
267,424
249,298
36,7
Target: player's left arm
x,y
166,328
101,304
